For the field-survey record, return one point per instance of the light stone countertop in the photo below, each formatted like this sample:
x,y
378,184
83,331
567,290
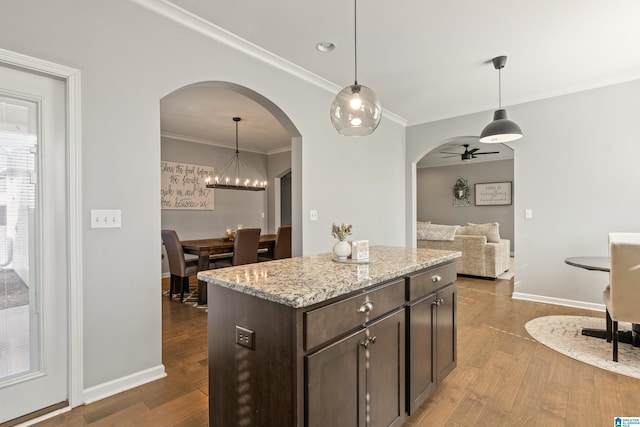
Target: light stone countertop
x,y
303,281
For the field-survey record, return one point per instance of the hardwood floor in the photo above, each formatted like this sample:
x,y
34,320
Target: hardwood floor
x,y
503,377
180,399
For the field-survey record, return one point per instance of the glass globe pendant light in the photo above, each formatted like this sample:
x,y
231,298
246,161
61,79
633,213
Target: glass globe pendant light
x,y
356,110
500,129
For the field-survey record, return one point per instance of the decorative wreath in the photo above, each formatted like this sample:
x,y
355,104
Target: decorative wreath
x,y
461,189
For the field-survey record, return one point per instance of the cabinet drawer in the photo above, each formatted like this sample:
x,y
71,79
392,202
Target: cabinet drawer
x,y
333,320
429,281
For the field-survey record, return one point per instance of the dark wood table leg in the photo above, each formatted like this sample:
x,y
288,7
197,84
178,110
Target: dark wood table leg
x,y
596,333
627,337
203,264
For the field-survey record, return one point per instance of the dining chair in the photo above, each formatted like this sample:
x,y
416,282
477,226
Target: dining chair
x,y
282,245
622,296
245,248
179,267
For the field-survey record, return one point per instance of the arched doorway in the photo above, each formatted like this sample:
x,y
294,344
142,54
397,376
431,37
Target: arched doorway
x,y
438,168
197,127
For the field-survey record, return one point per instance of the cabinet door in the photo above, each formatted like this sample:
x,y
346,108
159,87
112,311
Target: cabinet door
x,y
385,375
446,330
421,379
335,384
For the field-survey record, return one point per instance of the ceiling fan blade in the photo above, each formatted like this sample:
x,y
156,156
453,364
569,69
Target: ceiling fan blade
x,y
473,150
489,152
448,152
455,155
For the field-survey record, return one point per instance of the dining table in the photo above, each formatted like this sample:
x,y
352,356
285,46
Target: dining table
x,y
603,263
204,248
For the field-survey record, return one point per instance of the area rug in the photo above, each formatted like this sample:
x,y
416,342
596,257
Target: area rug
x,y
190,299
563,334
13,291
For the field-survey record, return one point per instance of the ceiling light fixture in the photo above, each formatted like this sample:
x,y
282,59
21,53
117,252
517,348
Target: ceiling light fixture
x,y
500,129
468,155
225,181
325,46
356,110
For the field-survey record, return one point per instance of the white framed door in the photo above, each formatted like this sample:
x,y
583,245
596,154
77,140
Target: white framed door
x,y
33,243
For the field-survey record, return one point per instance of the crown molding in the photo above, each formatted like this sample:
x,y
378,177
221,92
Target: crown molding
x,y
279,150
206,28
185,138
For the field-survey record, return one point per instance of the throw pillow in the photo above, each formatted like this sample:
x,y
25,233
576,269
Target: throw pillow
x,y
439,232
491,230
422,229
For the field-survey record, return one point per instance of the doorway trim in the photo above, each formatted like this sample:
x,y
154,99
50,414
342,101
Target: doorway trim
x,y
278,198
71,77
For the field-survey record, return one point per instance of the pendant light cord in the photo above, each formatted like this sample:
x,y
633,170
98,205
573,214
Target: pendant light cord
x,y
237,119
237,151
500,87
355,39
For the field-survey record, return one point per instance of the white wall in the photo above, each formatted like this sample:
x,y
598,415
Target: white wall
x,y
129,59
577,169
434,188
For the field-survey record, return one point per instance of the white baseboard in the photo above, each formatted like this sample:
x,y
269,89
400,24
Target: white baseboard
x,y
559,301
119,385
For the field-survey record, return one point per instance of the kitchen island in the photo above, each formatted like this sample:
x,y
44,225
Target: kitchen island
x,y
309,341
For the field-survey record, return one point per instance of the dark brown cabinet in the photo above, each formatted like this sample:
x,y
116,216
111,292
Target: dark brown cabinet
x,y
444,309
359,377
361,359
431,332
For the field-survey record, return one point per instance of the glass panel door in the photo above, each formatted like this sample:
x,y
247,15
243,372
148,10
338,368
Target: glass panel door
x,y
33,246
19,335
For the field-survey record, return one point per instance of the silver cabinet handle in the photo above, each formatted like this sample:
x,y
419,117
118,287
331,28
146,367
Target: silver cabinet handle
x,y
368,341
366,307
438,302
436,278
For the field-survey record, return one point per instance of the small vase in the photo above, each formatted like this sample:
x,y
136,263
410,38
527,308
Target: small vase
x,y
342,249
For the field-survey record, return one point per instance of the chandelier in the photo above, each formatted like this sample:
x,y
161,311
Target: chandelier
x,y
230,177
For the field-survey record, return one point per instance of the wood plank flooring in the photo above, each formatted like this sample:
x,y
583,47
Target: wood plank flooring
x,y
503,377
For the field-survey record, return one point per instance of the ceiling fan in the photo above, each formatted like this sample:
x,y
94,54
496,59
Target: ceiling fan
x,y
468,155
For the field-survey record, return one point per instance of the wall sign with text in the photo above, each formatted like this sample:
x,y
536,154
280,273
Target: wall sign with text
x,y
493,193
183,186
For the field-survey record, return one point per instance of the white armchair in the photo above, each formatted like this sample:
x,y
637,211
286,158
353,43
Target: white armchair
x,y
622,296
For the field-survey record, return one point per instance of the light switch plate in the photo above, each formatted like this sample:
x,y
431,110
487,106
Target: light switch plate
x,y
313,215
528,213
106,218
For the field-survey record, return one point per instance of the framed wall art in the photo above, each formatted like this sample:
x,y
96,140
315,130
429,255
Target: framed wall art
x,y
493,193
184,186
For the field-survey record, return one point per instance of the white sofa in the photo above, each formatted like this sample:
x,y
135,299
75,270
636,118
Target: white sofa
x,y
484,253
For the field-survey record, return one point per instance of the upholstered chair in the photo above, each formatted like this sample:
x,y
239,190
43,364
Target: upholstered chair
x,y
282,248
622,296
245,248
282,245
179,268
